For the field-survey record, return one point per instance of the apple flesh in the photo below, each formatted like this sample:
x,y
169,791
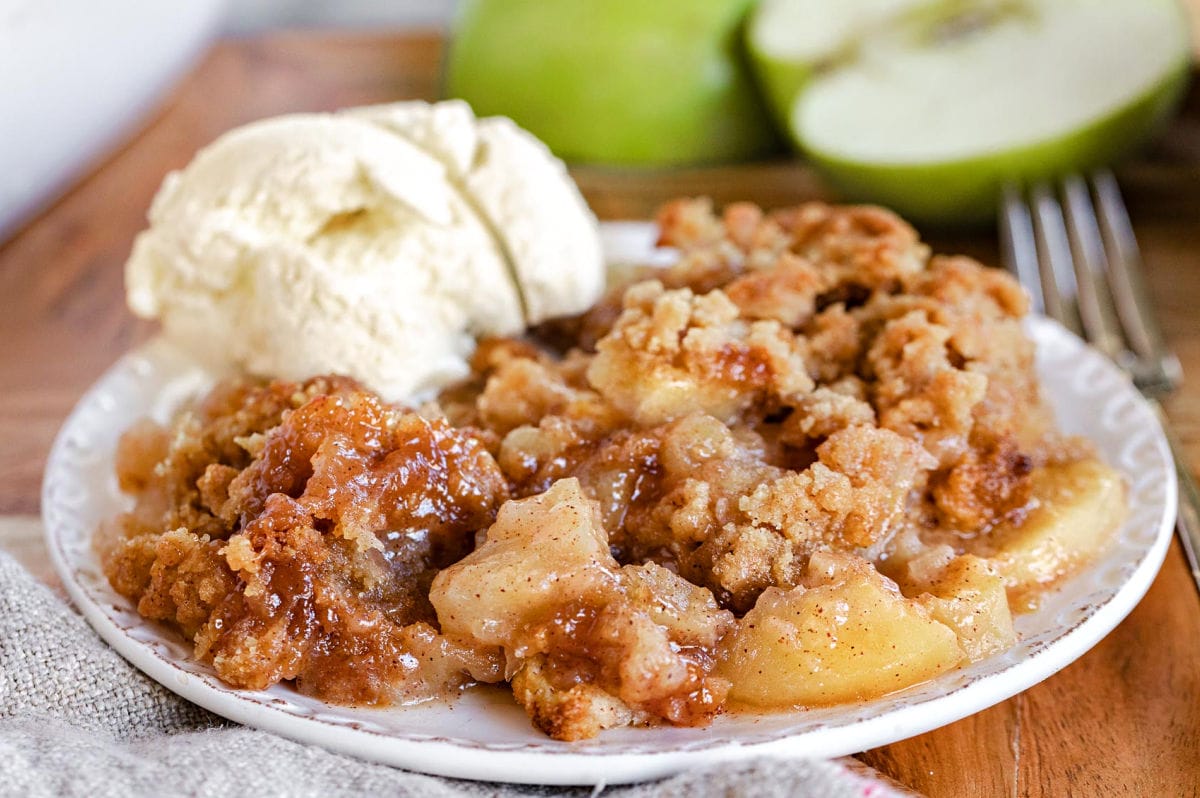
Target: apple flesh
x,y
931,107
614,81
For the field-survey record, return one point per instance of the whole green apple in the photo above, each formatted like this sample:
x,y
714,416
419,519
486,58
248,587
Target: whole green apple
x,y
614,81
932,106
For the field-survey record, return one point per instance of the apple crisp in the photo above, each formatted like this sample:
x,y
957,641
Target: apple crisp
x,y
806,464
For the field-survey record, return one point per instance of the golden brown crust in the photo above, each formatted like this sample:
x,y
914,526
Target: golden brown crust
x,y
802,386
302,561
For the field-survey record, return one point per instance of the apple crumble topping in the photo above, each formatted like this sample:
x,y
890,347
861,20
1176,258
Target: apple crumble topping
x,y
292,532
806,464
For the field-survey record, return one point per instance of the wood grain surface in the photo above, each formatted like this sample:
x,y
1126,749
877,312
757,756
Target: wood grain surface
x,y
1122,721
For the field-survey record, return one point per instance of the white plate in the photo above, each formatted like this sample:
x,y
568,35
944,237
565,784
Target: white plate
x,y
484,735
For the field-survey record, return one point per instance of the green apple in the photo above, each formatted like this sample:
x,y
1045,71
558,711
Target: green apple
x,y
614,81
931,106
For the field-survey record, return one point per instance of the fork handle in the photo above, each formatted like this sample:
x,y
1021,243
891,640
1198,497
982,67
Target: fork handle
x,y
1187,523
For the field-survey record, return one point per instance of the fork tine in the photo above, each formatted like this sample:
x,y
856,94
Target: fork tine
x,y
1091,269
1050,253
1020,248
1156,369
1055,266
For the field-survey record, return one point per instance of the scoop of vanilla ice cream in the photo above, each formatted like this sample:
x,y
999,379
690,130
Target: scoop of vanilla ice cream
x,y
322,243
523,192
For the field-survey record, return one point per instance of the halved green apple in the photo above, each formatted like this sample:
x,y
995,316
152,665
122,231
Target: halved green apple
x,y
930,106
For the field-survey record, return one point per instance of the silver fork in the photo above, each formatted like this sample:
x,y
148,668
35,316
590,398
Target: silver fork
x,y
1074,250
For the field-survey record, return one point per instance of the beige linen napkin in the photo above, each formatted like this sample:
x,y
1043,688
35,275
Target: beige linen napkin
x,y
76,719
